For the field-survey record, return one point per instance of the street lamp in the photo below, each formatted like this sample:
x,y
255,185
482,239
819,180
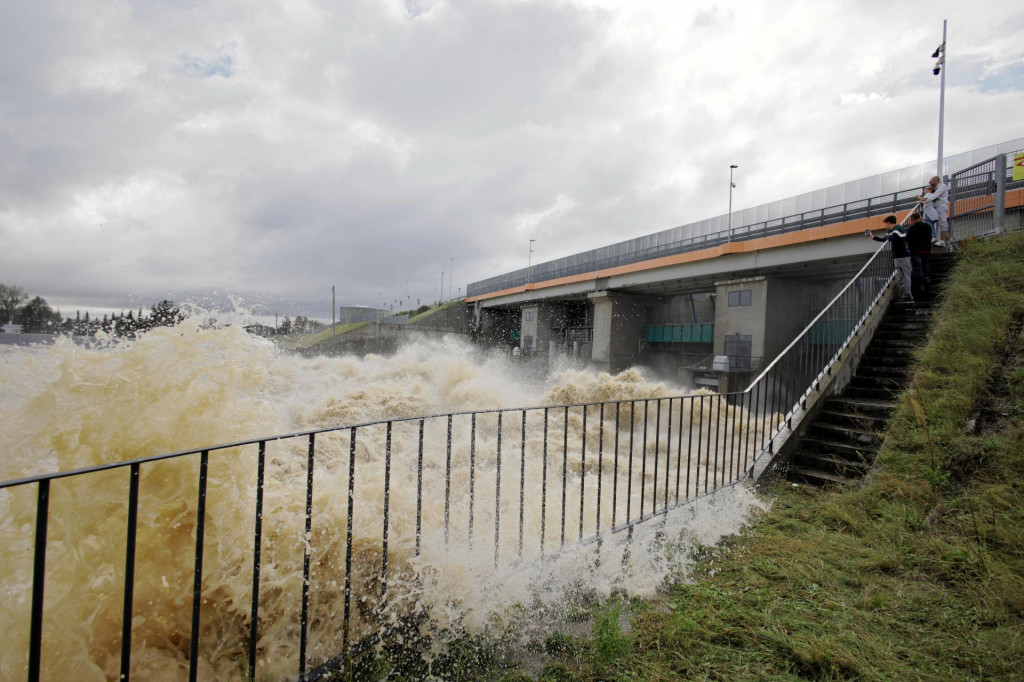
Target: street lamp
x,y
731,186
529,261
937,70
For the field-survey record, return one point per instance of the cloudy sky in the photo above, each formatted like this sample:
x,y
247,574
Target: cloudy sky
x,y
271,150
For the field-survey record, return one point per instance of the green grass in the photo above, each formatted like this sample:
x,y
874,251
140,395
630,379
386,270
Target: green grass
x,y
918,574
300,341
297,341
435,309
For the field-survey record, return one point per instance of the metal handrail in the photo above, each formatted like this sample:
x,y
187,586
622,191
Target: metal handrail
x,y
818,318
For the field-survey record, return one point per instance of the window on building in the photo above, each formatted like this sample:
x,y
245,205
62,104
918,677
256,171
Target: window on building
x,y
737,347
529,315
738,298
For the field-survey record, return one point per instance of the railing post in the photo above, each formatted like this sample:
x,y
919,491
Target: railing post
x,y
129,572
35,637
197,580
257,544
999,200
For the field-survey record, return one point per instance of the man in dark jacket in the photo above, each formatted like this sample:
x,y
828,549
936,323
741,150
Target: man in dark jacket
x,y
919,240
897,239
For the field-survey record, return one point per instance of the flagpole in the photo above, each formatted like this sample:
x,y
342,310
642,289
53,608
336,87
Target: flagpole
x,y
940,70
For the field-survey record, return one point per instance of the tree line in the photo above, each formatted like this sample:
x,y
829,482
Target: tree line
x,y
37,317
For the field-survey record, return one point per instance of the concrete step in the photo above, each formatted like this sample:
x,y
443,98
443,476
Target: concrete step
x,y
854,405
890,383
853,420
832,464
845,434
901,332
816,478
918,328
841,449
889,344
887,356
881,372
870,393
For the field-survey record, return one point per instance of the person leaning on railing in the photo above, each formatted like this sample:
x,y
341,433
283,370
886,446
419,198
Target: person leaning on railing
x,y
897,239
935,198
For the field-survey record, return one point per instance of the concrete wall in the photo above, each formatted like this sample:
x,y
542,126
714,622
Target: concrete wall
x,y
530,326
494,325
748,320
618,328
792,303
681,309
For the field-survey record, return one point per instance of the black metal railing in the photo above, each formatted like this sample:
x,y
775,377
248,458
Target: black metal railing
x,y
978,199
287,556
517,484
800,368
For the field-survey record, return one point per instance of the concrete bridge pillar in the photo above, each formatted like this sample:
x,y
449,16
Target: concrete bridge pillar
x,y
618,329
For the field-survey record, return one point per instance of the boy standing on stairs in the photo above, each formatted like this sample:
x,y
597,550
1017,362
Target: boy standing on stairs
x,y
919,239
897,239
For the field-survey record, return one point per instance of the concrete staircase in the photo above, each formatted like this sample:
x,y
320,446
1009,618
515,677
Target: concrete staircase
x,y
840,445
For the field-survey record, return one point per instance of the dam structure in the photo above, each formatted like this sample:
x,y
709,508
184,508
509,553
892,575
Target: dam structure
x,y
708,305
291,556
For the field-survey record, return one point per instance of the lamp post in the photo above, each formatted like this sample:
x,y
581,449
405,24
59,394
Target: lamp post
x,y
937,70
731,186
529,261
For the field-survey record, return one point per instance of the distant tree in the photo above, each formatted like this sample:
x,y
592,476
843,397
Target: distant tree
x,y
304,325
165,314
37,317
261,330
285,327
125,327
10,298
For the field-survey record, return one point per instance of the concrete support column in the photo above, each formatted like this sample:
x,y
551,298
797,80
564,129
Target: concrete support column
x,y
618,330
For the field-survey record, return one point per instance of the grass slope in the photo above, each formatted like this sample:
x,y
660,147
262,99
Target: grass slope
x,y
918,574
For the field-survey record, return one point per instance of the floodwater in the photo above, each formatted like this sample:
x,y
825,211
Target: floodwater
x,y
63,407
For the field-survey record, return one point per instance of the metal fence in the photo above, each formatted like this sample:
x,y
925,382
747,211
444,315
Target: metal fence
x,y
373,506
977,199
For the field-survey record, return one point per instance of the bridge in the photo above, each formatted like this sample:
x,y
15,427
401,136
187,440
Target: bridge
x,y
288,557
704,305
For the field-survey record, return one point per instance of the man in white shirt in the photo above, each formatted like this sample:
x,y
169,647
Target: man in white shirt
x,y
936,206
